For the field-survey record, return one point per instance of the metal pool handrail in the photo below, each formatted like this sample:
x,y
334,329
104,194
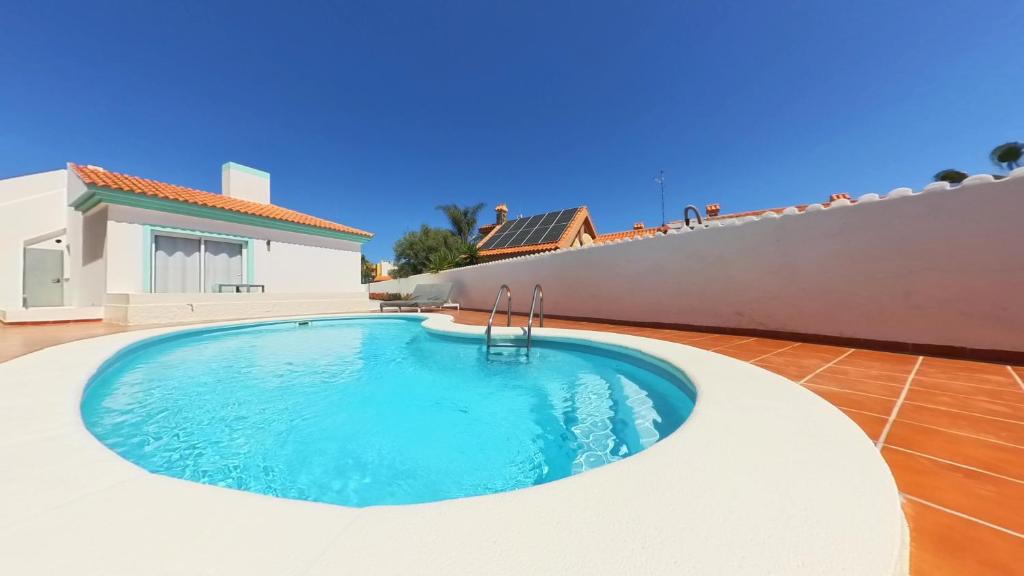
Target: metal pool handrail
x,y
538,292
494,309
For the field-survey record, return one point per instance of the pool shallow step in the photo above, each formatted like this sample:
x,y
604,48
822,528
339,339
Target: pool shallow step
x,y
510,344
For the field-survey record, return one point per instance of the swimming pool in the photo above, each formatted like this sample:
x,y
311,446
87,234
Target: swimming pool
x,y
364,412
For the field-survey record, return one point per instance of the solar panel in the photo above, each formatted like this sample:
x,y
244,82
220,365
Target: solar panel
x,y
553,233
549,219
533,221
504,240
509,240
535,236
492,241
525,231
514,225
530,230
566,216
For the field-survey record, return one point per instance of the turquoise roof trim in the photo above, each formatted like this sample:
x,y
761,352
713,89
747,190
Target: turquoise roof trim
x,y
96,195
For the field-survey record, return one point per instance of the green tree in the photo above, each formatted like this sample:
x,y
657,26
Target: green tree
x,y
462,220
368,270
1008,156
470,255
950,175
442,260
415,250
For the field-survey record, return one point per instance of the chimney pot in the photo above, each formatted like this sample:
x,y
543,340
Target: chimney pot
x,y
638,226
838,196
500,213
712,210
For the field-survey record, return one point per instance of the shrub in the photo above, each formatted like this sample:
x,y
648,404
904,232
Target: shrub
x,y
388,296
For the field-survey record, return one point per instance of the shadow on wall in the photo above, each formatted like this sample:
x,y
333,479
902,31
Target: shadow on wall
x,y
94,236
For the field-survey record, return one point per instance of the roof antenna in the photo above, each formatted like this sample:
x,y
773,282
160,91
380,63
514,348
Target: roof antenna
x,y
660,179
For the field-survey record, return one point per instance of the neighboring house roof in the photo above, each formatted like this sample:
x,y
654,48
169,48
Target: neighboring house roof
x,y
638,231
711,209
99,177
580,222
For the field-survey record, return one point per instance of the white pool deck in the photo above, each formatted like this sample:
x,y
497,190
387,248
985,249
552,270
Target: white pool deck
x,y
763,478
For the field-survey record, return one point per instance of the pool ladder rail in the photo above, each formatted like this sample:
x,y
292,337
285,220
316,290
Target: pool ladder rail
x,y
538,296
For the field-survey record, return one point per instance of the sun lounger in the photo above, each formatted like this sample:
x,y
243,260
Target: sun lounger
x,y
423,296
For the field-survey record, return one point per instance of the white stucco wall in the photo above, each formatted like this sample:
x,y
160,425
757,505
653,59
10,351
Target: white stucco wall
x,y
293,263
31,207
305,268
943,266
124,268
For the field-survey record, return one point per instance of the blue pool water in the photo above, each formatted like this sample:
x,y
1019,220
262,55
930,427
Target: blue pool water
x,y
363,412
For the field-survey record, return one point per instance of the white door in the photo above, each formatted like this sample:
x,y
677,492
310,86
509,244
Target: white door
x,y
44,277
223,263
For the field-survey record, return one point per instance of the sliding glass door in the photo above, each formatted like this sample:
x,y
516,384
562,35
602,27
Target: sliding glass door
x,y
176,264
223,263
190,264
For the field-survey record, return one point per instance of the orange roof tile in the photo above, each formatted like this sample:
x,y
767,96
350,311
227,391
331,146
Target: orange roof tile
x,y
519,250
799,208
487,228
94,176
635,233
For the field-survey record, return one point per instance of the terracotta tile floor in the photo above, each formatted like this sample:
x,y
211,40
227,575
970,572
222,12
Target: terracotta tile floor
x,y
952,431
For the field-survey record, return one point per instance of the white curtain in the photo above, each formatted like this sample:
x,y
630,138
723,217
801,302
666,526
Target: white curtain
x,y
223,264
176,264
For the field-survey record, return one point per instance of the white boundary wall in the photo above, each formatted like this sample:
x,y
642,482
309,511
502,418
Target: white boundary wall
x,y
944,266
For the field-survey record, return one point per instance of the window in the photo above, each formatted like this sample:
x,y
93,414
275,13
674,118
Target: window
x,y
183,263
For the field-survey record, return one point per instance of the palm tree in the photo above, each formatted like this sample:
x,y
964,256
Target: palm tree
x,y
1008,156
368,270
470,255
462,219
442,260
950,175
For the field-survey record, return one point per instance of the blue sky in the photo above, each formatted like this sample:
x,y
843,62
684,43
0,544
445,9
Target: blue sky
x,y
372,113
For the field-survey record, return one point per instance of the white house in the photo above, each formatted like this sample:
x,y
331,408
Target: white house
x,y
84,243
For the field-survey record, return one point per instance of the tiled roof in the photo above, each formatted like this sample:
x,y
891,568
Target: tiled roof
x,y
635,233
520,250
711,210
799,208
562,242
94,176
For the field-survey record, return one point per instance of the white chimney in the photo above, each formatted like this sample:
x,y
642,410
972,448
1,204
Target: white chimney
x,y
245,183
